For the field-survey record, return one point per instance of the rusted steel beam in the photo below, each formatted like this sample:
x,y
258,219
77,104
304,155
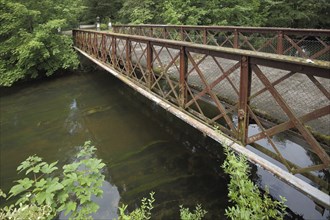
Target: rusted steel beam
x,y
183,77
212,94
309,169
150,74
114,51
244,93
320,87
300,66
151,32
204,35
321,52
270,141
297,123
128,57
280,42
182,34
318,113
276,82
324,184
216,81
104,48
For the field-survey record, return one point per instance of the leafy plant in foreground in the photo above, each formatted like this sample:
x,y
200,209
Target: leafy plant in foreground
x,y
198,214
45,196
144,212
249,203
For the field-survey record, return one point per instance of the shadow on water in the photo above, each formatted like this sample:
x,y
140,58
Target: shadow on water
x,y
144,147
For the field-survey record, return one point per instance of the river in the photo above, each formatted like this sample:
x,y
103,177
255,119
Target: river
x,y
145,148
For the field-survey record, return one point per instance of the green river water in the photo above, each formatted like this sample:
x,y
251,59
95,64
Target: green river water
x,y
145,148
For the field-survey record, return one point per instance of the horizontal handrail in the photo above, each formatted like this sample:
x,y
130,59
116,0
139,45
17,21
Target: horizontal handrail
x,y
312,32
306,43
315,67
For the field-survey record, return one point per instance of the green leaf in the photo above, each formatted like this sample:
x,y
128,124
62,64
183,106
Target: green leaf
x,y
70,206
62,197
71,167
41,183
47,169
23,185
55,186
41,197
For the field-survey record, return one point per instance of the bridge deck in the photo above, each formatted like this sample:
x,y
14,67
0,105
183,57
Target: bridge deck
x,y
242,87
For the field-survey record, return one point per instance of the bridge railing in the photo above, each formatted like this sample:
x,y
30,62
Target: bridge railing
x,y
251,96
305,43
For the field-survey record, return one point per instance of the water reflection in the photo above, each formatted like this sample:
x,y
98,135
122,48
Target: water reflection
x,y
73,122
108,203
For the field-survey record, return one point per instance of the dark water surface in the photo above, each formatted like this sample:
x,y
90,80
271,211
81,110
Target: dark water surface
x,y
145,148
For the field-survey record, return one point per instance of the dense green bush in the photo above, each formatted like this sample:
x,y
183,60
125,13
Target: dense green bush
x,y
41,194
248,201
30,42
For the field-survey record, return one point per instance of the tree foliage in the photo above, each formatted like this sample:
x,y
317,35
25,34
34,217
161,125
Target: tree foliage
x,y
295,13
30,44
298,13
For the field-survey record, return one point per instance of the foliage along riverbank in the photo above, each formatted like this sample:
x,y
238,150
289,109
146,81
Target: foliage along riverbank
x,y
43,195
31,44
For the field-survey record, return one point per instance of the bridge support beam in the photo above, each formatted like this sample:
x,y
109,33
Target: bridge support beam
x,y
150,78
244,94
113,51
128,57
183,77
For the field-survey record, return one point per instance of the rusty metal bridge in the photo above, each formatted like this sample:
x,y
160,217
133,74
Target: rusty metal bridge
x,y
240,86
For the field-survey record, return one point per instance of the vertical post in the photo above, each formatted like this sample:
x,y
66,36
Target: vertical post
x,y
89,43
104,49
74,34
140,31
85,40
183,78
244,94
204,36
165,33
235,38
95,46
82,39
151,32
280,42
128,57
182,33
113,52
97,23
149,65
